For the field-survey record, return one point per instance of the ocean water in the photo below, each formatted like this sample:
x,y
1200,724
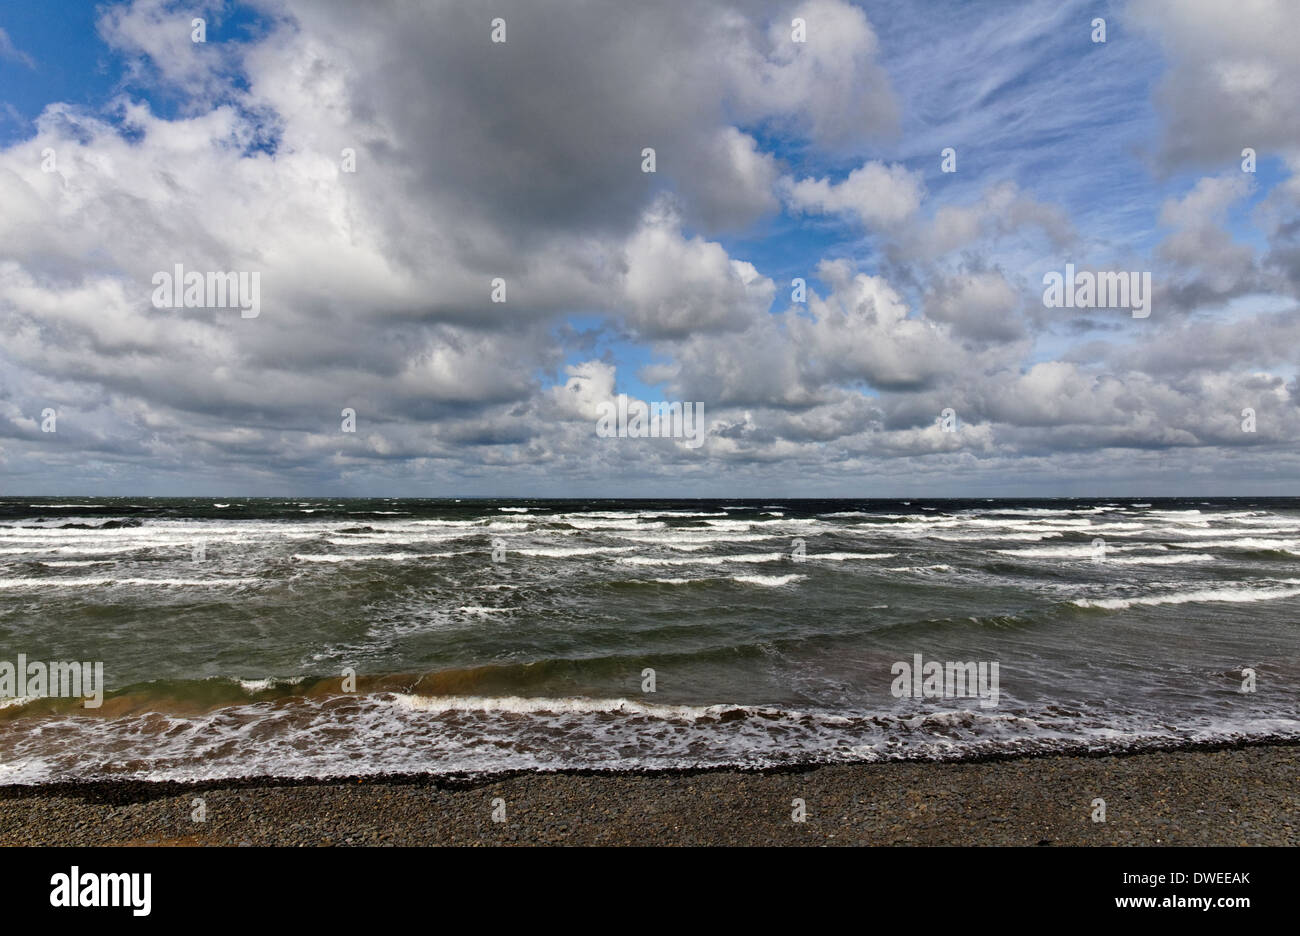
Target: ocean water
x,y
495,635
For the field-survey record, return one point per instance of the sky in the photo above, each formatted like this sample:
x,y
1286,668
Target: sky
x,y
386,172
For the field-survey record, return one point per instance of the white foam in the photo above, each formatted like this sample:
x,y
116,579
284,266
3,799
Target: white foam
x,y
1060,552
702,560
1233,595
768,581
359,539
626,524
74,563
687,514
566,705
558,552
846,556
403,733
258,685
1245,542
1166,559
369,557
985,537
68,550
90,582
696,537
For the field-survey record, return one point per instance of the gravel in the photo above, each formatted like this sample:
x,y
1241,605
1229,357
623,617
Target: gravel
x,y
1236,796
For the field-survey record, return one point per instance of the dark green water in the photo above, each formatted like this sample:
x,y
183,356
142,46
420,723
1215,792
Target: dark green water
x,y
488,635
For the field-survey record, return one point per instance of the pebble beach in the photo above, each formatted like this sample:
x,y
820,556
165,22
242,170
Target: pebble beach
x,y
1229,796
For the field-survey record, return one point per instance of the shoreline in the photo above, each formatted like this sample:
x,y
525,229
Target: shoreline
x,y
1245,793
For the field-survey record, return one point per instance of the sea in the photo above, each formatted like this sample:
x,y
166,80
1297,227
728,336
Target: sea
x,y
323,637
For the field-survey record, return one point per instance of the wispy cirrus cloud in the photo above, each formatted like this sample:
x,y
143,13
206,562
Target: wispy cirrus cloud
x,y
12,53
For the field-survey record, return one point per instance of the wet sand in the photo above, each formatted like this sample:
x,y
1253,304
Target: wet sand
x,y
1232,796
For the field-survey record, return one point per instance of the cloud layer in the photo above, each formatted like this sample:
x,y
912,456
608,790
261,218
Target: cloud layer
x,y
499,264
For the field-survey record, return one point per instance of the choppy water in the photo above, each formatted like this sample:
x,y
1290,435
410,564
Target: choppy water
x,y
231,664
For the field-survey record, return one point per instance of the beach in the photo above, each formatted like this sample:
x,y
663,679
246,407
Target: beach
x,y
1244,795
